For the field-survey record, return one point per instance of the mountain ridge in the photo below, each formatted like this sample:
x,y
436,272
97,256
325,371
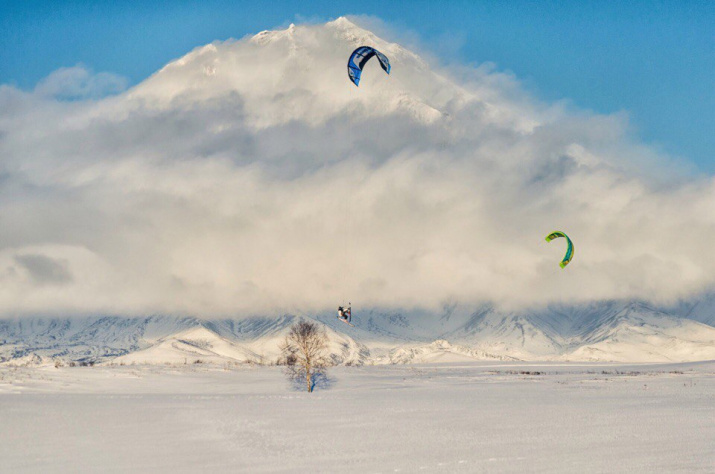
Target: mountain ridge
x,y
610,332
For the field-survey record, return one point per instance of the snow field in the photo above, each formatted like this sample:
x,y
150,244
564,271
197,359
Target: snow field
x,y
471,417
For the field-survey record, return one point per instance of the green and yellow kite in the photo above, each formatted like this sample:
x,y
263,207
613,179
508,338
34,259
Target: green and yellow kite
x,y
569,249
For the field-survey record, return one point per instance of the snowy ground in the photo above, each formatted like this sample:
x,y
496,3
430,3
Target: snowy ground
x,y
471,417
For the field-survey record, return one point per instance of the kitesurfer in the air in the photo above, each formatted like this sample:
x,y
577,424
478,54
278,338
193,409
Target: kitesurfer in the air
x,y
345,314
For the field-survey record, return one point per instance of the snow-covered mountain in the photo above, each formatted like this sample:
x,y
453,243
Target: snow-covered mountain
x,y
608,331
222,177
289,85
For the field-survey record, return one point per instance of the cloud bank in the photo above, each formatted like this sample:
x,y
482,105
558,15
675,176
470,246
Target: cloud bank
x,y
251,176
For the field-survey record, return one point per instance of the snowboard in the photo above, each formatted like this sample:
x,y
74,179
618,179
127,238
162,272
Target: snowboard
x,y
346,322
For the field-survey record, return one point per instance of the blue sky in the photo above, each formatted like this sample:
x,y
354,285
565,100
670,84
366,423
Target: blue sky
x,y
655,60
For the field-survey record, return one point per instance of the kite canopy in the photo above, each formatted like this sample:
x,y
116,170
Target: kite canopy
x,y
569,249
360,57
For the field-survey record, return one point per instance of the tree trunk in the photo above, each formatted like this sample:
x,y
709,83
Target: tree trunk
x,y
308,379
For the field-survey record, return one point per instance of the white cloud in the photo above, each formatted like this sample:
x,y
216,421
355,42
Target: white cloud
x,y
252,176
78,83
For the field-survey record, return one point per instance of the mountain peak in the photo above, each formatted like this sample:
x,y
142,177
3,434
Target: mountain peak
x,y
298,73
269,36
354,34
342,22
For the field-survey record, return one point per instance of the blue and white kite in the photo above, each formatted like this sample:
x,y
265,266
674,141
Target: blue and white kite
x,y
360,57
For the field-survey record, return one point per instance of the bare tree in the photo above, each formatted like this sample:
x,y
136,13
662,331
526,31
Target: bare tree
x,y
304,352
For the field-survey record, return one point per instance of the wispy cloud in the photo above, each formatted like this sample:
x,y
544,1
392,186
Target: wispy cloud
x,y
79,83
